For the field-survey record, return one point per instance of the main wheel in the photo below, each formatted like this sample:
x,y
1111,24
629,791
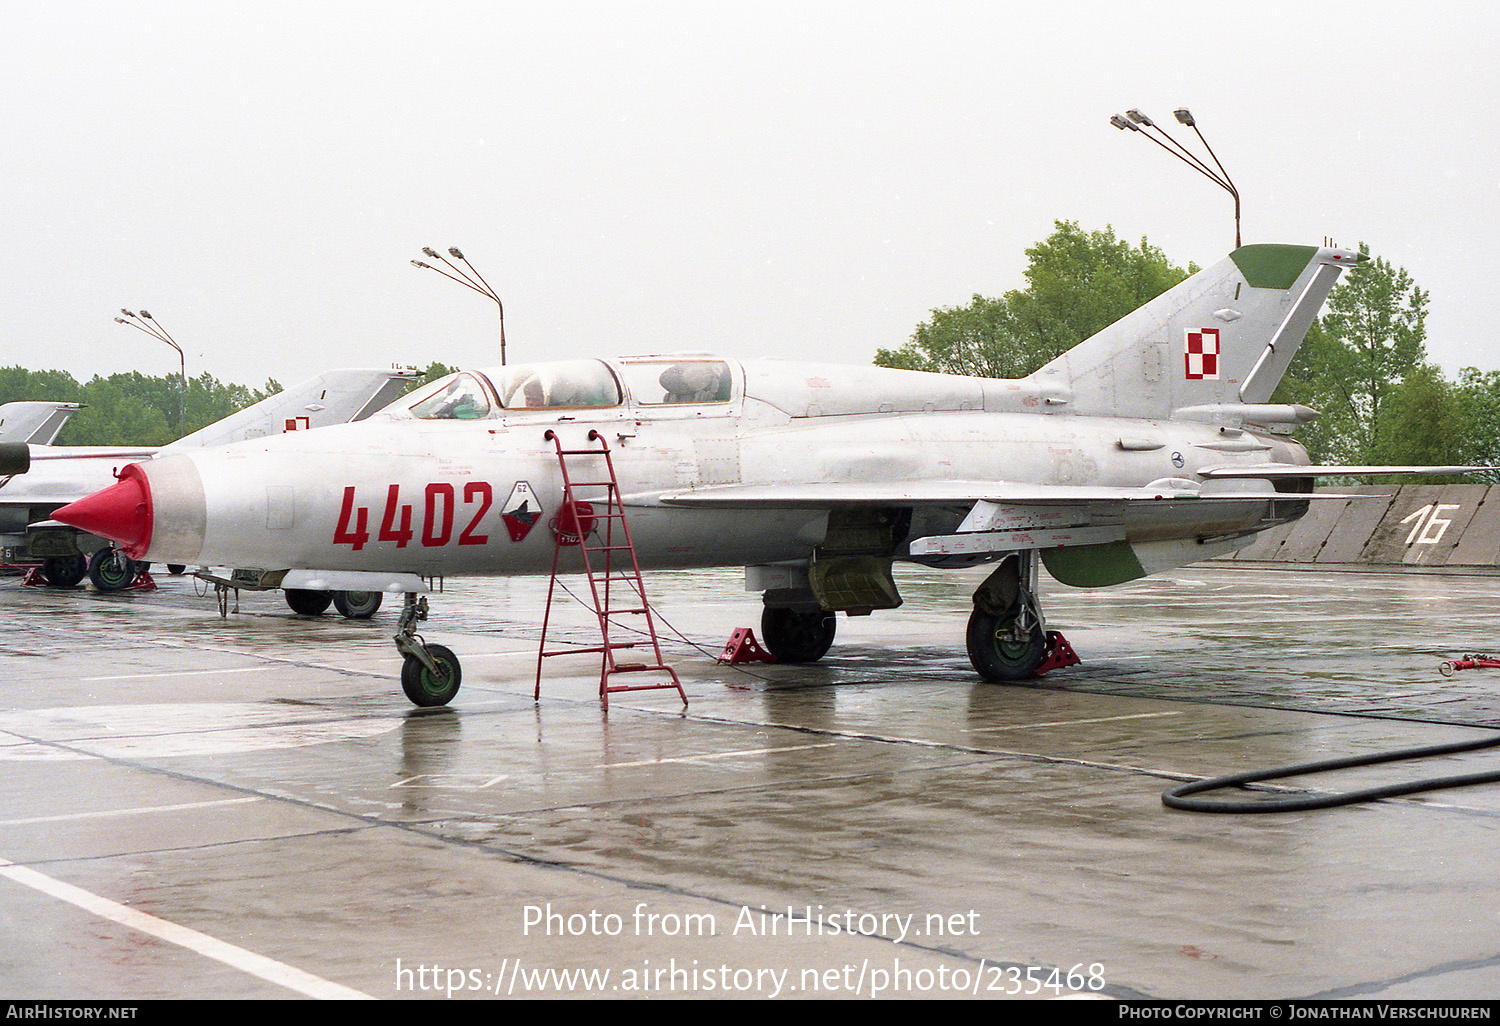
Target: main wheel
x,y
308,603
64,571
426,688
999,652
797,635
111,570
357,605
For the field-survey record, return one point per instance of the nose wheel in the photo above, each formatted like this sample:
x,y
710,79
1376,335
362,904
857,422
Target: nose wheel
x,y
1006,647
1007,636
430,674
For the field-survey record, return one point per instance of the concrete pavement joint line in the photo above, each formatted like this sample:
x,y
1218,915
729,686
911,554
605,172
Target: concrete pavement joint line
x,y
1357,990
267,969
128,812
711,756
1045,759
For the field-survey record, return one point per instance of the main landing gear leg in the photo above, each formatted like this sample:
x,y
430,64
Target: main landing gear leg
x,y
1007,637
430,675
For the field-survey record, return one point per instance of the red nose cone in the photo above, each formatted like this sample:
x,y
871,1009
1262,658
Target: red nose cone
x,y
121,512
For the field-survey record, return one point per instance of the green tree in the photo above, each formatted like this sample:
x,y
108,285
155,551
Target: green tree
x,y
1371,337
434,371
17,384
1424,421
115,413
1477,394
1078,283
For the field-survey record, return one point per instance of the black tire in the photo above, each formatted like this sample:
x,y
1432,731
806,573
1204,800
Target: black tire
x,y
176,569
65,571
427,689
797,635
357,605
111,570
308,603
998,657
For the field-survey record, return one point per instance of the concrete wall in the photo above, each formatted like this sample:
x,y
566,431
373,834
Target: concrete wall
x,y
1455,527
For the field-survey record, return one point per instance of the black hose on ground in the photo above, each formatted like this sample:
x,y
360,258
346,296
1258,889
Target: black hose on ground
x,y
1177,797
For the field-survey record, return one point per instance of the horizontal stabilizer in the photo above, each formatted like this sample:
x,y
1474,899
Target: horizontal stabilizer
x,y
1291,470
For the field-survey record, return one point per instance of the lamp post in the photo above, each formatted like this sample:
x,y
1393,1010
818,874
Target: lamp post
x,y
143,321
470,280
1135,121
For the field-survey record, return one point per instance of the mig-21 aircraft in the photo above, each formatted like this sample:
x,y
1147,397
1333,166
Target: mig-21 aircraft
x,y
1149,446
58,475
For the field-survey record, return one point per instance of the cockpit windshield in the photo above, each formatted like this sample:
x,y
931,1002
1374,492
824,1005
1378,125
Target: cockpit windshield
x,y
463,399
664,382
558,384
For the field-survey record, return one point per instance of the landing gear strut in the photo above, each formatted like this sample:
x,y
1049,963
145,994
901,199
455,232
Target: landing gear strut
x,y
430,675
1007,637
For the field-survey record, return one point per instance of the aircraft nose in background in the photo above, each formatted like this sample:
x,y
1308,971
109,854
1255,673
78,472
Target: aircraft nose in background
x,y
121,512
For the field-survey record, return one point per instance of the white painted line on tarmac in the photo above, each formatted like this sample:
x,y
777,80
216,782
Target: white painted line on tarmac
x,y
714,755
177,673
268,969
1074,723
128,812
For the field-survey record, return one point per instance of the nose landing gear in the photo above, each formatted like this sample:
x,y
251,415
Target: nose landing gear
x,y
1007,639
430,674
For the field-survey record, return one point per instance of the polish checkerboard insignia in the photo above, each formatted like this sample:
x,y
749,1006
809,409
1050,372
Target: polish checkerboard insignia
x,y
1201,355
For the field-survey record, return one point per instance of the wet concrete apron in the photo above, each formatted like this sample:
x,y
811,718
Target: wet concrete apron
x,y
248,807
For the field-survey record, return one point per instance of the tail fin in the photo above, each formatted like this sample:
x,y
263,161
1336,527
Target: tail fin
x,y
1223,337
35,422
333,397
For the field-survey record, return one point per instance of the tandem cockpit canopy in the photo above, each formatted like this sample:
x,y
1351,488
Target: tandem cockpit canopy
x,y
574,384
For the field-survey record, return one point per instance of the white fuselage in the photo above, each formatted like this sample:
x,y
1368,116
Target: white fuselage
x,y
431,497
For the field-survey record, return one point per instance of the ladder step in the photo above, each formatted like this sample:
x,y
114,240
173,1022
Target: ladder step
x,y
593,648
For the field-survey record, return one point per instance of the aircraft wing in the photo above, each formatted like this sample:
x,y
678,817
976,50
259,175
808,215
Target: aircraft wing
x,y
1273,471
951,493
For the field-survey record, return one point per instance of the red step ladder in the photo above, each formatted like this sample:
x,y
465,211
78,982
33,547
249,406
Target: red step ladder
x,y
614,573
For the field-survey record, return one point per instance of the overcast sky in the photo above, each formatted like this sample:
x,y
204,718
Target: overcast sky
x,y
804,179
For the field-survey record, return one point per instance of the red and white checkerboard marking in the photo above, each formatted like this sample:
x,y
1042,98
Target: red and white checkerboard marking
x,y
1201,358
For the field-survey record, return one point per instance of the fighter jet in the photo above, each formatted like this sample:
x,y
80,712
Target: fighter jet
x,y
62,474
1151,445
35,423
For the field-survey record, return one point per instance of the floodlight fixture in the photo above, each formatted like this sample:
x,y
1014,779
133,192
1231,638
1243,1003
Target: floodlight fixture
x,y
470,279
1139,122
152,327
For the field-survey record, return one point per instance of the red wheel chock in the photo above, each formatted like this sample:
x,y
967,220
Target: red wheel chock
x,y
743,648
1059,654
